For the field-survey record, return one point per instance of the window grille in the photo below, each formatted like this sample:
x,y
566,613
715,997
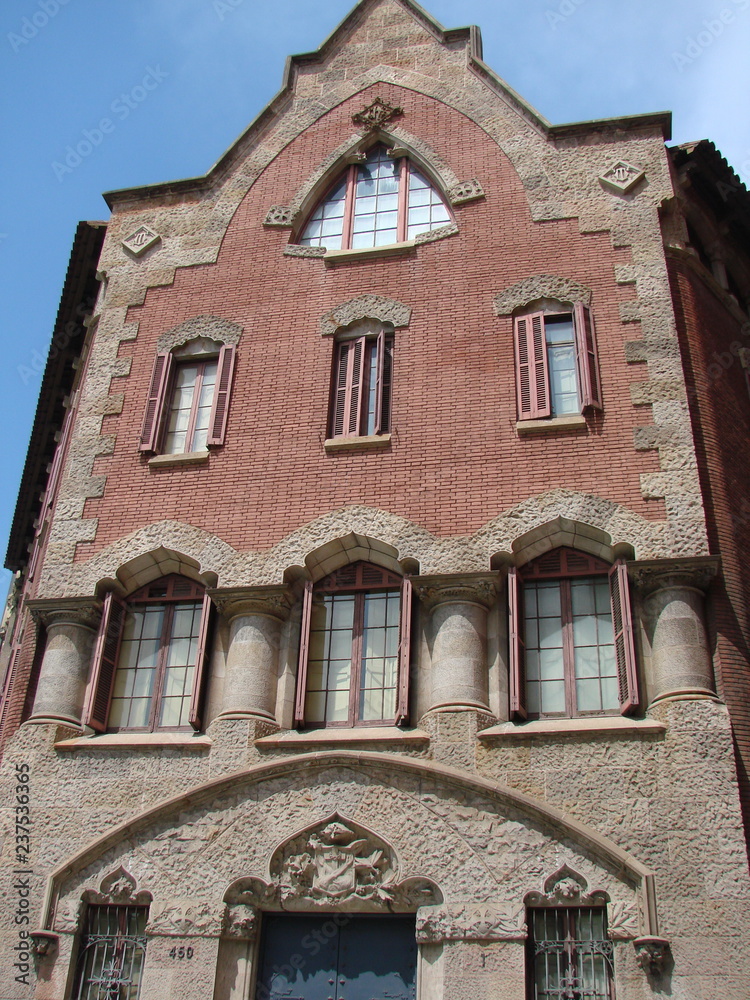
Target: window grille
x,y
110,959
570,955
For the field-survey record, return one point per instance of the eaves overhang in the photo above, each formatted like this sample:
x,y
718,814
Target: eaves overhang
x,y
76,301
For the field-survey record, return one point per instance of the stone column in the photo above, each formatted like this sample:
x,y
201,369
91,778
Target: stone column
x,y
71,624
673,592
458,638
255,616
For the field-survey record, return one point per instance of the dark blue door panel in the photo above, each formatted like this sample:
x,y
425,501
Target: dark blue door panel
x,y
298,959
377,959
337,957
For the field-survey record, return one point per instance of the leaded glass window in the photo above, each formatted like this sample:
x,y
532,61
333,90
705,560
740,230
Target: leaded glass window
x,y
377,203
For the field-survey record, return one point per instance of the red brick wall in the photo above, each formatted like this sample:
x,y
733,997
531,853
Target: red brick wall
x,y
455,461
720,411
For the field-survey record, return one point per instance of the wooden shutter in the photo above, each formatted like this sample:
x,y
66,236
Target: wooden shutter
x,y
304,650
404,652
586,356
622,620
106,655
217,423
532,375
339,397
516,658
355,378
380,364
154,418
15,655
201,660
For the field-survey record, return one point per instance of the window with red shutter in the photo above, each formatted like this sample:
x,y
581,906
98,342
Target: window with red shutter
x,y
572,651
149,661
557,366
188,403
362,382
355,649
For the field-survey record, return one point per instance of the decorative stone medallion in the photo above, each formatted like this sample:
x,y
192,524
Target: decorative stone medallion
x,y
622,177
279,215
140,241
375,115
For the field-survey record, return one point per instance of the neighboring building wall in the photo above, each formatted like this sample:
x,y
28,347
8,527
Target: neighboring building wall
x,y
714,332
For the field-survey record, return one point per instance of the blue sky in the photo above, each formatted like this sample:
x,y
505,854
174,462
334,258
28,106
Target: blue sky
x,y
213,66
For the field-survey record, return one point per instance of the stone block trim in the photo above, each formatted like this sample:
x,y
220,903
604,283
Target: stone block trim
x,y
558,517
541,286
214,327
365,307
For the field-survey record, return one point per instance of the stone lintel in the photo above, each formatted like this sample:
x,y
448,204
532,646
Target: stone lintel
x,y
696,573
468,588
84,612
271,602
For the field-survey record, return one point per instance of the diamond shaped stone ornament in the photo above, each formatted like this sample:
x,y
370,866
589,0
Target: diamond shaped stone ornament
x,y
377,114
622,177
140,241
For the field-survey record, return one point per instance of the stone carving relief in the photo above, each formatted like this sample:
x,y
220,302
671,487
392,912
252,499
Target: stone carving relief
x,y
184,918
240,921
459,194
377,114
140,241
567,887
652,954
470,922
336,863
622,177
279,215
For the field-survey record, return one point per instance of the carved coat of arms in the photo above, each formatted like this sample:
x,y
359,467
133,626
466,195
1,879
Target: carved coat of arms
x,y
337,864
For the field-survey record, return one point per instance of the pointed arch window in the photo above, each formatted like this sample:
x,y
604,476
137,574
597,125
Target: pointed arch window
x,y
381,201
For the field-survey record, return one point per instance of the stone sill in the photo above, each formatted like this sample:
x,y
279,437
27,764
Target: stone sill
x,y
572,727
365,734
138,741
186,458
334,257
366,441
571,421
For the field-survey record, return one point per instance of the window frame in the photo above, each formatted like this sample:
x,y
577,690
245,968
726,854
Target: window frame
x,y
332,584
573,564
161,393
533,388
349,177
351,387
571,947
108,645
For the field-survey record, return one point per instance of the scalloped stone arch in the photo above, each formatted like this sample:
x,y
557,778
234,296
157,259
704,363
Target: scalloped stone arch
x,y
574,534
378,307
214,327
540,286
348,549
141,570
449,801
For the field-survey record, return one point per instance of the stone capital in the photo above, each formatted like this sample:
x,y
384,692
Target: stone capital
x,y
240,921
652,575
240,602
469,588
83,612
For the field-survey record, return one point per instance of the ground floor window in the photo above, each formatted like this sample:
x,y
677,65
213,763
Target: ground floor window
x,y
110,957
570,955
337,956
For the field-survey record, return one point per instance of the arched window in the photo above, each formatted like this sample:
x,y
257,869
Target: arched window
x,y
381,201
571,637
149,658
354,649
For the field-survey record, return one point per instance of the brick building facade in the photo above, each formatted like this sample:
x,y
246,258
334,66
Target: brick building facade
x,y
383,628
